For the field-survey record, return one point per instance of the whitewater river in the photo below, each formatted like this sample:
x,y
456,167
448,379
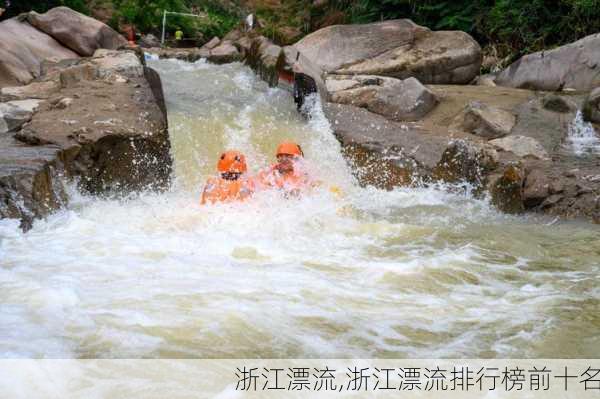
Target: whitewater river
x,y
418,273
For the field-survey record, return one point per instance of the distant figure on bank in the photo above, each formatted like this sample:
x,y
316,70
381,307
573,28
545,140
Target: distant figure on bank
x,y
232,183
178,35
288,174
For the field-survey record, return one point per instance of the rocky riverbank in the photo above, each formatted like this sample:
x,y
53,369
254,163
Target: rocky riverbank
x,y
99,120
409,107
407,103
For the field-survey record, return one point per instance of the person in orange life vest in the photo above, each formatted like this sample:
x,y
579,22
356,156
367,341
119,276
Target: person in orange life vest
x,y
232,184
287,174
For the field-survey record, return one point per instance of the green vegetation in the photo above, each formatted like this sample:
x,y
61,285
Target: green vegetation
x,y
19,6
146,16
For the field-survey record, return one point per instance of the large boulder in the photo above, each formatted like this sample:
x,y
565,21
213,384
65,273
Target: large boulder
x,y
78,32
573,66
398,100
22,51
397,48
591,108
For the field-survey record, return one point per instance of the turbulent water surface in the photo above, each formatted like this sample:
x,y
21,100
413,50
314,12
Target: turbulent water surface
x,y
408,273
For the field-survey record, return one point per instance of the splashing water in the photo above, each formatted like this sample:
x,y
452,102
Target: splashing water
x,y
407,273
582,137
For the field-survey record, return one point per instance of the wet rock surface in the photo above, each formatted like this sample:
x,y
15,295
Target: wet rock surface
x,y
31,185
104,126
384,153
528,168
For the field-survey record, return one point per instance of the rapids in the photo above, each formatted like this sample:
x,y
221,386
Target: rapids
x,y
419,273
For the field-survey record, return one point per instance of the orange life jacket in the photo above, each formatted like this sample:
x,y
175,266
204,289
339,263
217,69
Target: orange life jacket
x,y
218,189
271,178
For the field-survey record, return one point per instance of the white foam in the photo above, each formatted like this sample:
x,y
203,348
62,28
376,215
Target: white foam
x,y
582,137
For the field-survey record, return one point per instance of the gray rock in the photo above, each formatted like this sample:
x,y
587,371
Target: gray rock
x,y
573,66
22,51
63,103
485,121
399,100
591,107
78,32
556,103
233,35
384,153
149,41
466,161
485,80
266,58
406,100
397,48
506,189
27,105
521,146
128,149
33,90
14,114
212,43
224,53
72,75
111,63
536,188
30,185
334,84
244,45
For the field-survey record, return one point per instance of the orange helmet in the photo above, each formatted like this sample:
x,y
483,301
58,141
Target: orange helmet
x,y
289,148
232,162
